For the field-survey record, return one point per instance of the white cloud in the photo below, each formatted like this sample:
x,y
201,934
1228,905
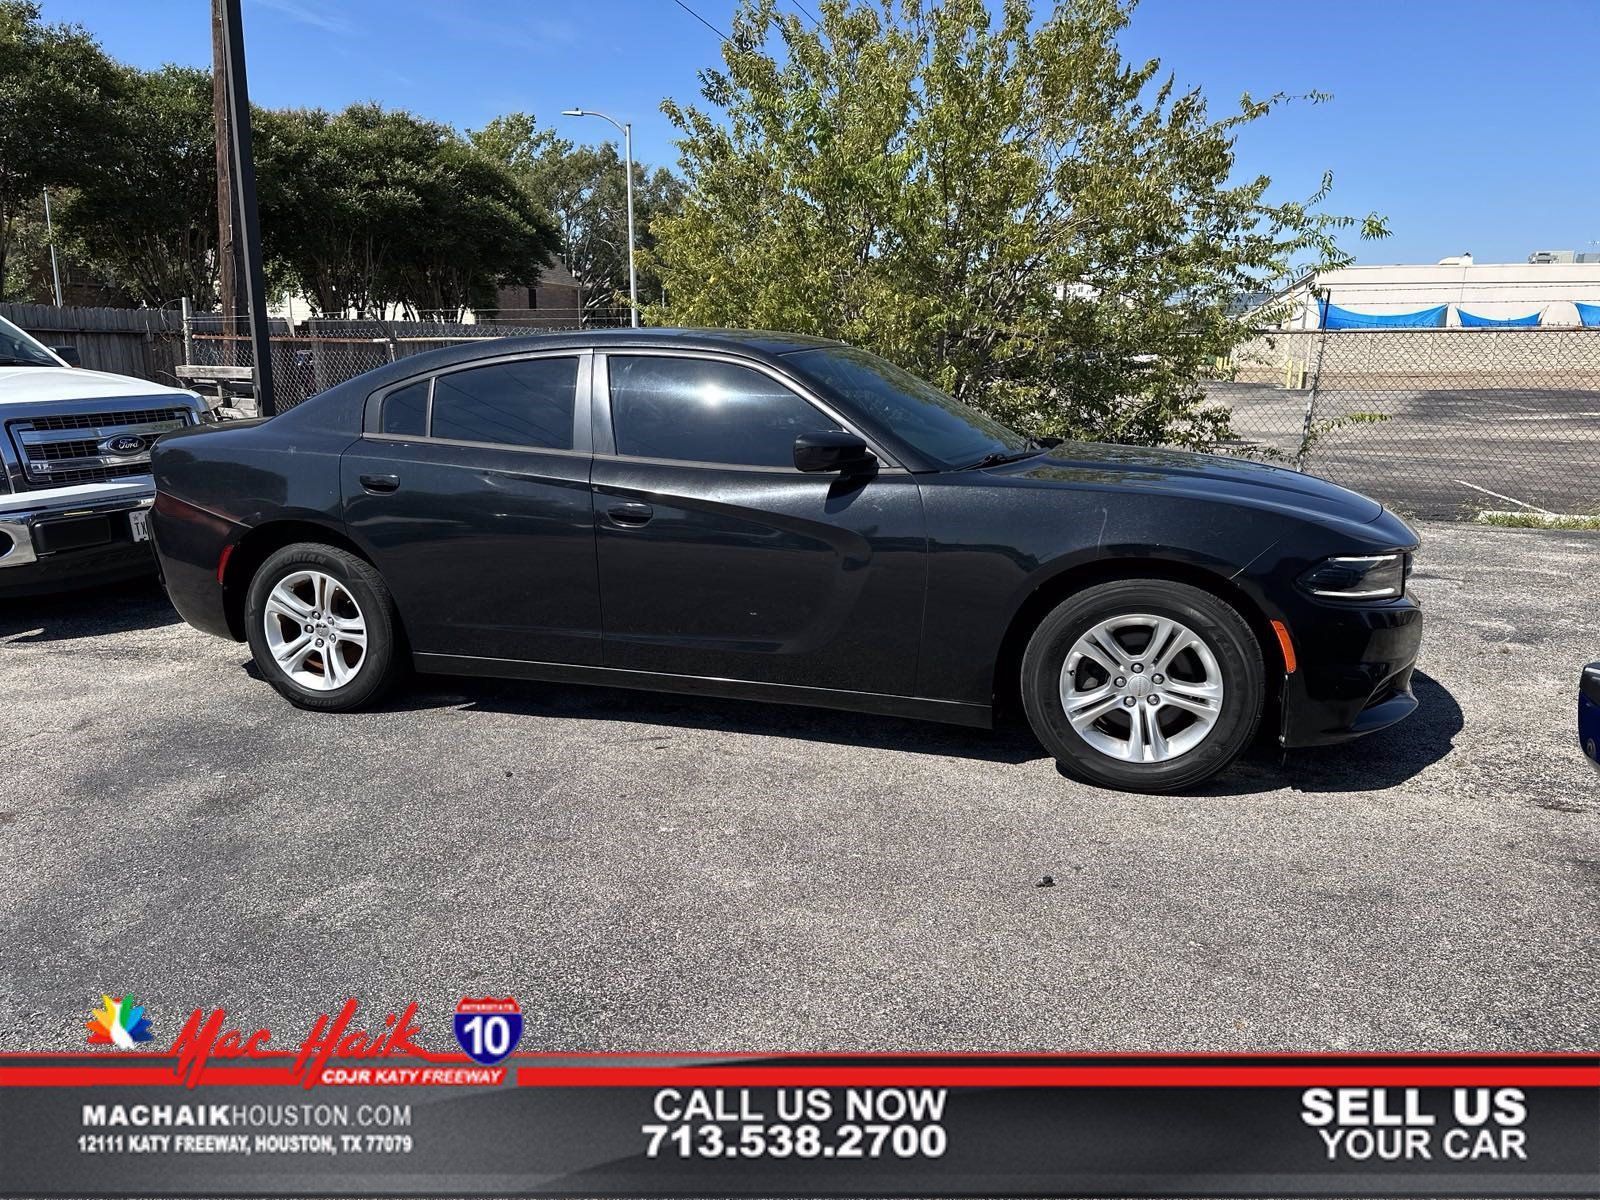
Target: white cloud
x,y
316,17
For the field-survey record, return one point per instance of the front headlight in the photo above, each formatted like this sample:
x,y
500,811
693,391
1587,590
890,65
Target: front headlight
x,y
203,414
1359,577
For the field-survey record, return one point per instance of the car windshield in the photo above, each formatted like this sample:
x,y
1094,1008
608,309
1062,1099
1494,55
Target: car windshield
x,y
939,427
17,349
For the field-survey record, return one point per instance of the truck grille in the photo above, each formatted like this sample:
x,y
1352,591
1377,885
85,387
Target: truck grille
x,y
92,447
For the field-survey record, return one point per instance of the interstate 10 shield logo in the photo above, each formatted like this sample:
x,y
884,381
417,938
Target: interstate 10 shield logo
x,y
488,1029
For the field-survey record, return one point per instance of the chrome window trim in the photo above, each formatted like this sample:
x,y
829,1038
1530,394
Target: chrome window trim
x,y
433,441
427,407
886,461
372,410
698,465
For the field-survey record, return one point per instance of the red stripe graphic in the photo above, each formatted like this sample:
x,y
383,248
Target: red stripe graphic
x,y
1198,1074
1297,1076
141,1076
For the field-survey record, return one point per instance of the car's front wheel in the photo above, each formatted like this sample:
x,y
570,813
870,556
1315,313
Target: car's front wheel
x,y
1146,685
321,627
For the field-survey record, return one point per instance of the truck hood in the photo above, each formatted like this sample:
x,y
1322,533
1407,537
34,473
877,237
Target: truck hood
x,y
1202,476
34,385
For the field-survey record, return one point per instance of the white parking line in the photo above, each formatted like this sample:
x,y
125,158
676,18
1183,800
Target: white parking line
x,y
1507,499
1549,417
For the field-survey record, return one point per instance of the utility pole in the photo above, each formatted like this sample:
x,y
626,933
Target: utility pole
x,y
227,250
244,188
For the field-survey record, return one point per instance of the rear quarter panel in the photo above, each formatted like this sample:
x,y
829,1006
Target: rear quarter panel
x,y
217,483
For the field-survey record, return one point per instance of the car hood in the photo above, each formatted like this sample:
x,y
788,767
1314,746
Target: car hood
x,y
1204,476
31,385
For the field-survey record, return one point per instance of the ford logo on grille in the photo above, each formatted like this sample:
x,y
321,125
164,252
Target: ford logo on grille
x,y
126,444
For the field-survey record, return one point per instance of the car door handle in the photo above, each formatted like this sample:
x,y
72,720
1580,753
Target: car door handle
x,y
631,514
381,484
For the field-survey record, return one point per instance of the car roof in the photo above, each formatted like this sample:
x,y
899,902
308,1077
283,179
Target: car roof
x,y
759,342
342,404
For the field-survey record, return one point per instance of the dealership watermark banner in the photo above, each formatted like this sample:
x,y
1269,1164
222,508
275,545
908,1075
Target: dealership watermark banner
x,y
362,1110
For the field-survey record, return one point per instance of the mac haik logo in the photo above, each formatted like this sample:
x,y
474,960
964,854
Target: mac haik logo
x,y
119,1022
488,1029
208,1036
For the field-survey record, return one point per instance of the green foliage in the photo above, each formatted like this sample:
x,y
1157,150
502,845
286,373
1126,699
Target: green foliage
x,y
583,189
146,217
370,207
999,204
1537,519
57,91
27,258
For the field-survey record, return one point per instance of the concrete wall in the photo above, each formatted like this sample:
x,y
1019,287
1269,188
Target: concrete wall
x,y
1484,289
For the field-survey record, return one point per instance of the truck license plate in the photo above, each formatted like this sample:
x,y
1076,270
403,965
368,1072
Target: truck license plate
x,y
138,523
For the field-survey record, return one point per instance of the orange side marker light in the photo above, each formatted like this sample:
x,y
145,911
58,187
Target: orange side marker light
x,y
1284,644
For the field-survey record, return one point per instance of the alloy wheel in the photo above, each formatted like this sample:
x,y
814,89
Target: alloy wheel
x,y
315,630
1141,688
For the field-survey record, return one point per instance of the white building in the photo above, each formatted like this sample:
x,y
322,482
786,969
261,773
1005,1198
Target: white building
x,y
1549,292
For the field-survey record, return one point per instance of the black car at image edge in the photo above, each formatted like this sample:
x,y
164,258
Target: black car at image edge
x,y
782,518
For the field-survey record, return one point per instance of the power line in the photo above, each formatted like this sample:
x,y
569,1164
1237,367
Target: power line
x,y
701,19
804,11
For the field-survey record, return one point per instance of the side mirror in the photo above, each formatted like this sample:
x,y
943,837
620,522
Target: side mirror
x,y
831,450
68,355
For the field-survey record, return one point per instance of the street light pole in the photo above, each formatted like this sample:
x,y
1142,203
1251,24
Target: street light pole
x,y
627,149
50,233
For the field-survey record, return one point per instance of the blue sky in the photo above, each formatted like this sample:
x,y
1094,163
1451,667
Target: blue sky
x,y
1470,123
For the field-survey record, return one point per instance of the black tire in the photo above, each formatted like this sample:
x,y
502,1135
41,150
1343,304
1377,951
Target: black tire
x,y
1235,654
373,673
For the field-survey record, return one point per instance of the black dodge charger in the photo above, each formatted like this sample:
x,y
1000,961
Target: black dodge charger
x,y
783,518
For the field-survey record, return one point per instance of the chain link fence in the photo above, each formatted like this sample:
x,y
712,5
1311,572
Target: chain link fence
x,y
1441,423
1435,422
321,352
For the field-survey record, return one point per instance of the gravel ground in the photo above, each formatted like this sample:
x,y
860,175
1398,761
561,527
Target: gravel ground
x,y
665,873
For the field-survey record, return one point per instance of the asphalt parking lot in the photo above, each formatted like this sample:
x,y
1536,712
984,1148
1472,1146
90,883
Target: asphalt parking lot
x,y
666,873
1438,451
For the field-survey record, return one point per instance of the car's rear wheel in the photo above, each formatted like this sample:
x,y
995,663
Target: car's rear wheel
x,y
1146,685
321,627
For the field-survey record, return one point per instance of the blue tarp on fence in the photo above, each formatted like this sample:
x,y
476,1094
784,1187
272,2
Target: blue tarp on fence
x,y
1334,317
1589,314
1470,320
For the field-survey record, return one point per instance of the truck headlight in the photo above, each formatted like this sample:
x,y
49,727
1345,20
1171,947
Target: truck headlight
x,y
1359,577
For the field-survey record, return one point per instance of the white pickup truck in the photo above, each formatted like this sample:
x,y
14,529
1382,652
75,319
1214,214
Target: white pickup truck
x,y
75,483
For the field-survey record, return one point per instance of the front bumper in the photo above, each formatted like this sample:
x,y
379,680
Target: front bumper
x,y
64,537
1353,674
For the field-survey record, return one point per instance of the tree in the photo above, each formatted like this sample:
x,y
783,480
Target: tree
x,y
146,218
584,190
56,90
27,268
372,207
477,228
999,204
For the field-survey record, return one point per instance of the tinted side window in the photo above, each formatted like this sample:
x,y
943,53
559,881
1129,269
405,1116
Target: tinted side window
x,y
526,403
697,410
406,411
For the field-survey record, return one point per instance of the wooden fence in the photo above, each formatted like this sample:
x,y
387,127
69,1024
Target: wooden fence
x,y
143,342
